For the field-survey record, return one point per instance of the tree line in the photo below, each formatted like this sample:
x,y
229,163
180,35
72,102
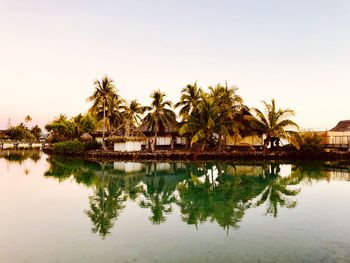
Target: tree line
x,y
207,118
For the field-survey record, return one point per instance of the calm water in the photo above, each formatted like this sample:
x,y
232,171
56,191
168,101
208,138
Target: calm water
x,y
65,210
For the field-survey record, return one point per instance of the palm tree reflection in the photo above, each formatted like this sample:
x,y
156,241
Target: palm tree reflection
x,y
204,192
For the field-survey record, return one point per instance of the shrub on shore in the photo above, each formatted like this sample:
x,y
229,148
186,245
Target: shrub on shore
x,y
68,147
93,145
308,141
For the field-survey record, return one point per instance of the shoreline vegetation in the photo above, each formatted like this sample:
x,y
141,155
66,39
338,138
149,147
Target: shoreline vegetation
x,y
182,155
211,124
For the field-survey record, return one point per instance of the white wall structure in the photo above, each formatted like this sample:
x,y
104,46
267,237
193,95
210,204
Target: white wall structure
x,y
8,146
36,145
162,140
338,137
23,146
180,140
119,147
128,146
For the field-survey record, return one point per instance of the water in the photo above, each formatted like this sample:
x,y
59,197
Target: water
x,y
66,210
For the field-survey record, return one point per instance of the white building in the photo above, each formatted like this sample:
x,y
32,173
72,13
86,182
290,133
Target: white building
x,y
339,136
127,138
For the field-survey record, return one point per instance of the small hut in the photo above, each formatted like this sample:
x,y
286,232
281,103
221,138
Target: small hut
x,y
127,138
165,134
3,136
86,137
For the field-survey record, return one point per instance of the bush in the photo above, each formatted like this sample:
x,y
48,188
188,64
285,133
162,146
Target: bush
x,y
94,145
20,133
309,141
68,147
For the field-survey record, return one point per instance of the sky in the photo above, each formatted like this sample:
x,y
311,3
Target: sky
x,y
297,52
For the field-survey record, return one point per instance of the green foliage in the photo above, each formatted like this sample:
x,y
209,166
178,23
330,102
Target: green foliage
x,y
308,141
107,102
94,145
36,131
84,124
63,129
212,114
274,122
160,113
20,133
68,147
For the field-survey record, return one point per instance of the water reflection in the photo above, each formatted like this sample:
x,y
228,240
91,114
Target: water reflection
x,y
216,192
19,156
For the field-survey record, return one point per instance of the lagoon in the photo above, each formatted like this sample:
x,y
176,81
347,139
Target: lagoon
x,y
69,210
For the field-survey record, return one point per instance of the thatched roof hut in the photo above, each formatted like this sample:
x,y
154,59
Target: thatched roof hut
x,y
127,132
98,133
86,137
3,136
170,129
342,126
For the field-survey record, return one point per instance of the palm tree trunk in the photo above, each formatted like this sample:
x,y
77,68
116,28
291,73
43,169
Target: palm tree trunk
x,y
201,149
155,135
266,143
104,124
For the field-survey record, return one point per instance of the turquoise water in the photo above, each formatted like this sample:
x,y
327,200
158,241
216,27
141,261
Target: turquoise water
x,y
65,210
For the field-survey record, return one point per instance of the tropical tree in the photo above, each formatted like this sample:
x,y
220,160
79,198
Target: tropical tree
x,y
133,112
84,124
159,114
28,119
103,90
36,131
208,119
274,123
62,128
190,97
230,105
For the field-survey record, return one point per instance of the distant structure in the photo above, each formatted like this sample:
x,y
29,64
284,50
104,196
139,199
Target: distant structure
x,y
339,136
127,138
9,123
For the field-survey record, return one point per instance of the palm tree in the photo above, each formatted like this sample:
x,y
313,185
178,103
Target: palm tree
x,y
61,118
133,112
207,120
28,119
274,123
114,111
230,105
190,96
159,113
103,90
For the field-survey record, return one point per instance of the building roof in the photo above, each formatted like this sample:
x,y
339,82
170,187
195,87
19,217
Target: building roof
x,y
170,128
127,132
86,137
98,133
342,126
3,135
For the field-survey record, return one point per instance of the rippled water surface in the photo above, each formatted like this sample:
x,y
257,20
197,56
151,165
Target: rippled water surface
x,y
66,210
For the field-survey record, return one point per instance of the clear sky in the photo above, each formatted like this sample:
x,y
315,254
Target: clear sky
x,y
297,52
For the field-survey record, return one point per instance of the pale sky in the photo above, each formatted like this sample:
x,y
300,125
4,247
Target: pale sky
x,y
297,52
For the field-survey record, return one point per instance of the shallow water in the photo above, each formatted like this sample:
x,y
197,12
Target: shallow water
x,y
65,210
